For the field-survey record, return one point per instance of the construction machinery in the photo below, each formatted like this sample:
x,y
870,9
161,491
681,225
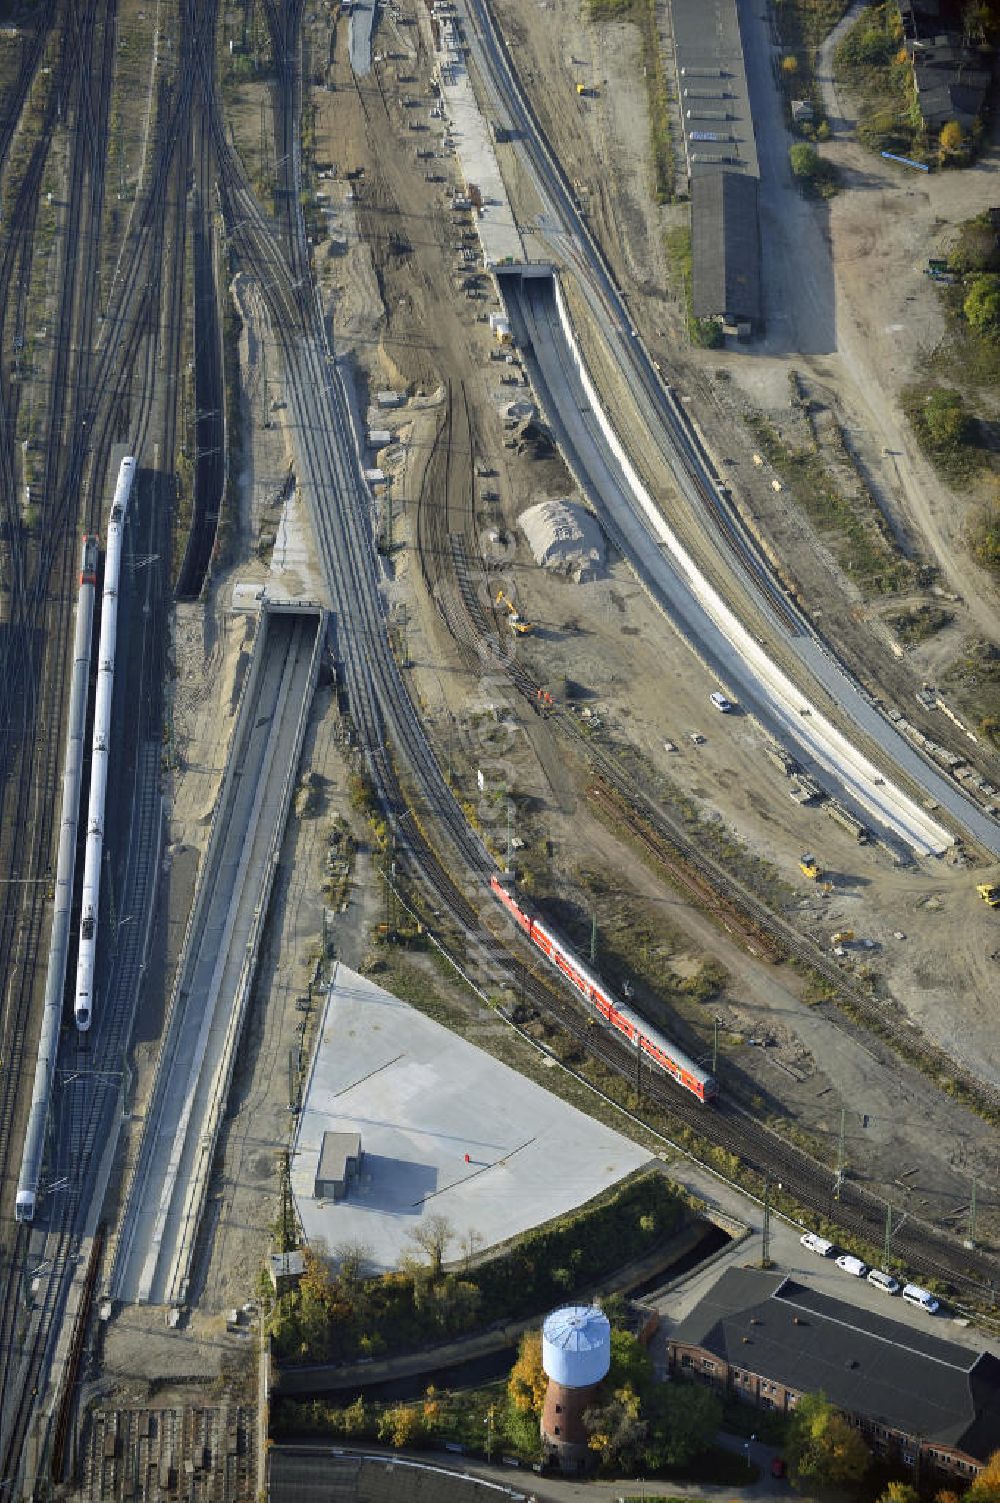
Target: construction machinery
x,y
809,867
990,893
517,622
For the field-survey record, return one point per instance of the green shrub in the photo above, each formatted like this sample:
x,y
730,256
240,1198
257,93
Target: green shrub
x,y
977,248
813,173
982,305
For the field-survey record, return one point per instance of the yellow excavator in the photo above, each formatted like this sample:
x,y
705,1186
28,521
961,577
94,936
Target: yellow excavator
x,y
809,867
990,893
517,623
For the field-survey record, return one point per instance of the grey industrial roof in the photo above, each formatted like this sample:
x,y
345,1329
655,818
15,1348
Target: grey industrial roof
x,y
708,55
725,246
867,1364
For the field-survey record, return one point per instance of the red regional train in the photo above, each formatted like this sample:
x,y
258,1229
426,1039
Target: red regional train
x,y
660,1050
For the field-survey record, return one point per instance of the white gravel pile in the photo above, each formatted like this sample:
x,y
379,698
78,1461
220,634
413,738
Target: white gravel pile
x,y
564,535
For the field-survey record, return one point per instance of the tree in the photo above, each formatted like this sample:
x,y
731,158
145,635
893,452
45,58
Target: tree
x,y
454,1303
822,1449
631,1365
899,1492
976,20
951,139
353,1261
790,65
354,1419
616,1429
432,1236
945,419
986,1487
689,1415
316,1282
804,159
977,247
982,305
527,1382
400,1426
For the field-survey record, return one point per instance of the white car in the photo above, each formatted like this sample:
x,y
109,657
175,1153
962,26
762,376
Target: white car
x,y
883,1281
851,1264
816,1244
922,1298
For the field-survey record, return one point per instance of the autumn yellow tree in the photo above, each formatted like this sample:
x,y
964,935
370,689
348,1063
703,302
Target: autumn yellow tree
x,y
986,1487
823,1450
899,1492
400,1426
790,64
616,1429
527,1383
951,138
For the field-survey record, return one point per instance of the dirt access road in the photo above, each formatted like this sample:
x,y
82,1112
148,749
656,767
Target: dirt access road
x,y
845,297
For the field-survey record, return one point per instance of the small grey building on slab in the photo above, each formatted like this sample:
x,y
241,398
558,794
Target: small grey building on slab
x,y
339,1162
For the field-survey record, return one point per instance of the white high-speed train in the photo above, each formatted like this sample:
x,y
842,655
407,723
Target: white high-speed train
x,y
55,978
90,907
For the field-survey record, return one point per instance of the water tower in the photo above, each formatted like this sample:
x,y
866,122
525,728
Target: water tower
x,y
576,1354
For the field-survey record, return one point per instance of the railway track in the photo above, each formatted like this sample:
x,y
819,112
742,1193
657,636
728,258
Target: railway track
x,y
381,708
969,1273
48,598
747,931
669,841
101,377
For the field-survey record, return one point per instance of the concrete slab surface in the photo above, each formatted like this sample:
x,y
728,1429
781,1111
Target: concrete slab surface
x,y
359,35
422,1099
498,233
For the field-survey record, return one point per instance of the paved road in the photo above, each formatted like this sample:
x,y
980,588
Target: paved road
x,y
303,1473
213,976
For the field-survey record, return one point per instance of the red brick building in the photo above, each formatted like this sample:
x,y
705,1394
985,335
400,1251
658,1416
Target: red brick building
x,y
769,1339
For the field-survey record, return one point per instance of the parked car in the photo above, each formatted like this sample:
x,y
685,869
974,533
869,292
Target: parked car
x,y
883,1281
850,1264
814,1243
922,1298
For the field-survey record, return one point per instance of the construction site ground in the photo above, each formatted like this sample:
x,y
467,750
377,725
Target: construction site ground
x,y
640,680
386,268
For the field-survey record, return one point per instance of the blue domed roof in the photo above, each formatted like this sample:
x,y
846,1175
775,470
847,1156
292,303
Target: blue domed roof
x,y
576,1345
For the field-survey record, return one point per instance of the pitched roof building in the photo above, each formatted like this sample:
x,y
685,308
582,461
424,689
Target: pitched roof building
x,y
725,248
952,73
769,1340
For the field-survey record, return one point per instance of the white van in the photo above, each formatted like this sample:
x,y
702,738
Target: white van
x,y
850,1264
922,1298
812,1242
883,1281
721,703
